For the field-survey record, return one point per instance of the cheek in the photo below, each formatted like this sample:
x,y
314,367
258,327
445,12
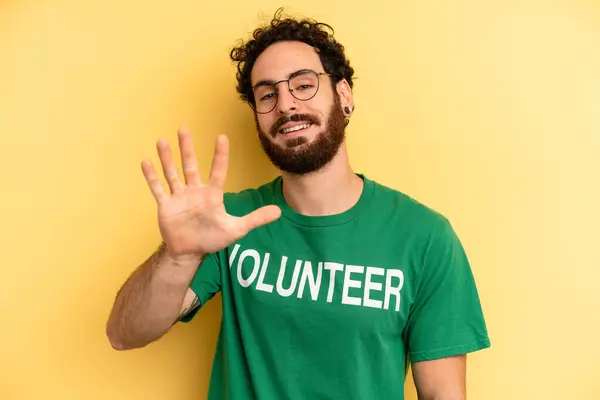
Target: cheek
x,y
266,124
263,122
321,106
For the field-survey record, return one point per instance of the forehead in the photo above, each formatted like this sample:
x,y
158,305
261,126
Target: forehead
x,y
281,59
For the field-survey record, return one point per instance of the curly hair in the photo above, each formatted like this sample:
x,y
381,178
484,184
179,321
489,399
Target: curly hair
x,y
316,34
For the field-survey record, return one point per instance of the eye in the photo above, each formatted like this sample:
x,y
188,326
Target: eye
x,y
304,87
267,96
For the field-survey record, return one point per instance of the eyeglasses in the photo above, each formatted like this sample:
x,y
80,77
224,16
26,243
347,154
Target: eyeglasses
x,y
303,85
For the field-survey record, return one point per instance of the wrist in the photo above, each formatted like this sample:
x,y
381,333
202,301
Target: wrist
x,y
184,260
177,269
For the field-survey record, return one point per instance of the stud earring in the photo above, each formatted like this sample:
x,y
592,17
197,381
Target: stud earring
x,y
347,110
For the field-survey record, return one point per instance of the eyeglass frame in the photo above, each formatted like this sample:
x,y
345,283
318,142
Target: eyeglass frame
x,y
274,85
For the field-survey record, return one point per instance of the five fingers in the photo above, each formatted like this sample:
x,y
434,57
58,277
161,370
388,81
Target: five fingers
x,y
218,174
189,162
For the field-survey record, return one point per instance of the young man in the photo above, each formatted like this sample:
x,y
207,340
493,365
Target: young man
x,y
331,283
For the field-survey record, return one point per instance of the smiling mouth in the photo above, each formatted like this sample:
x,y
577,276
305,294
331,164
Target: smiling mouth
x,y
295,128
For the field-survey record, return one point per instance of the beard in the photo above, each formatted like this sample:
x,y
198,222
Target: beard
x,y
300,157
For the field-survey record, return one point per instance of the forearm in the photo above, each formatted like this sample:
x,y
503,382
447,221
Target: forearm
x,y
150,300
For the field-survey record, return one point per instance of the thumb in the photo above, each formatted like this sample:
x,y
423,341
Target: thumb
x,y
260,217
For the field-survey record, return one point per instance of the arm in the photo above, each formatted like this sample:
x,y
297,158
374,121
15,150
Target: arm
x,y
442,379
193,222
446,320
152,299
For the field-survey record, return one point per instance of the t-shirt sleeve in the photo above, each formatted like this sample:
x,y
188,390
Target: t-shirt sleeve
x,y
446,318
205,283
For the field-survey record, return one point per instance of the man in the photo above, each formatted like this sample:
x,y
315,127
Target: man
x,y
331,283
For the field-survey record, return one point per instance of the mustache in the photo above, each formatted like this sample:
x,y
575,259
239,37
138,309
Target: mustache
x,y
293,118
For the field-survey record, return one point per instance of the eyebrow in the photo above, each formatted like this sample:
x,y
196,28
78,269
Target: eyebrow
x,y
269,82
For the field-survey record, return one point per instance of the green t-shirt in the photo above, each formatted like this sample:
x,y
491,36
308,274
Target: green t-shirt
x,y
335,307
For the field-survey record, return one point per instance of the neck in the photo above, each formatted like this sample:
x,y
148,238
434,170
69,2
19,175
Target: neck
x,y
331,190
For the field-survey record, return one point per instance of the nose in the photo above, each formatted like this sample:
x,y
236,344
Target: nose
x,y
286,102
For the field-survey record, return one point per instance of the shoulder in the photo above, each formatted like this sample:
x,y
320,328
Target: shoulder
x,y
406,209
412,220
242,202
417,223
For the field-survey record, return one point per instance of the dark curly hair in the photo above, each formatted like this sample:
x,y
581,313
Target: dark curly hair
x,y
317,34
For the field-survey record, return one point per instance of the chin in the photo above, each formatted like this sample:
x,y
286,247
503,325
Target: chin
x,y
296,143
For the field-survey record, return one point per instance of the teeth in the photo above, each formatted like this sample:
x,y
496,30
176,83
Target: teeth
x,y
295,128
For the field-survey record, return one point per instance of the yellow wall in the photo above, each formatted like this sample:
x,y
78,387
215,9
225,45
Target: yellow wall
x,y
488,111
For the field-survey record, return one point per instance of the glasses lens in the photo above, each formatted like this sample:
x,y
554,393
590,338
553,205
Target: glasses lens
x,y
265,98
305,85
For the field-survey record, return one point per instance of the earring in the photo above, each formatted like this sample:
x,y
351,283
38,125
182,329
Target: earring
x,y
347,110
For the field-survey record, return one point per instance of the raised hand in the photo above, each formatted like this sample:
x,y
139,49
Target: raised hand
x,y
192,217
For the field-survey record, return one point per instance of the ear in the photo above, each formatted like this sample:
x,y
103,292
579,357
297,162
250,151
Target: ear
x,y
346,98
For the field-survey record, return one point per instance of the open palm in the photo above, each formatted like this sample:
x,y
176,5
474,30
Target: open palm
x,y
192,217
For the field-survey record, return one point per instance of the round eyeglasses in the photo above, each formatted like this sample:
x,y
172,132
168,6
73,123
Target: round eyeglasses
x,y
303,85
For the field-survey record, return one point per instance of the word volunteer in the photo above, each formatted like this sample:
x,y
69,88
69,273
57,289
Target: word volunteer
x,y
252,267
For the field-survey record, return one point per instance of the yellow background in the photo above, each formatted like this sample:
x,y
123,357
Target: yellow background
x,y
488,111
